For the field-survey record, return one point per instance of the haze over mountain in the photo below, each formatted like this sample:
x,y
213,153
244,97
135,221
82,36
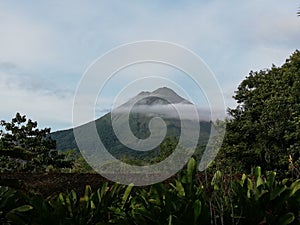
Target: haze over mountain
x,y
139,110
158,97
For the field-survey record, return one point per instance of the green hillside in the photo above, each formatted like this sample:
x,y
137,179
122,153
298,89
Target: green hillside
x,y
139,125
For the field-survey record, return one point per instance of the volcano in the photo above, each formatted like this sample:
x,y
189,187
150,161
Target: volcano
x,y
138,113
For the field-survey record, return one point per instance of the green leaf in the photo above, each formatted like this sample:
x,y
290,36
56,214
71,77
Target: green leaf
x,y
61,198
276,192
191,169
87,193
284,181
114,189
295,186
286,219
102,192
69,205
197,210
271,179
15,215
170,220
257,174
23,208
244,177
180,188
126,194
73,197
216,180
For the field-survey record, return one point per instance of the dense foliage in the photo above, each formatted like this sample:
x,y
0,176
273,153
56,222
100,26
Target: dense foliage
x,y
264,128
24,147
220,199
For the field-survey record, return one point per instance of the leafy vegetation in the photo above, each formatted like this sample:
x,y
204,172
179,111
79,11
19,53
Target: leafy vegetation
x,y
220,199
24,147
264,128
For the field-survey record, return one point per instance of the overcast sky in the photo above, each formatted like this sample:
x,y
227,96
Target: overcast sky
x,y
45,46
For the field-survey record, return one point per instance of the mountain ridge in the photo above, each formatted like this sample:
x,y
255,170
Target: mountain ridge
x,y
163,95
139,118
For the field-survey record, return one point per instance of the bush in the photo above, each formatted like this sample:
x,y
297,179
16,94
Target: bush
x,y
221,199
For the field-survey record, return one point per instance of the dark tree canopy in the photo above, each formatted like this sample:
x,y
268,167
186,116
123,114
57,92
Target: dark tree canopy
x,y
264,128
24,147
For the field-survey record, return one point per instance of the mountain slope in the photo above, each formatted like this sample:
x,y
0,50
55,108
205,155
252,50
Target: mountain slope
x,y
143,107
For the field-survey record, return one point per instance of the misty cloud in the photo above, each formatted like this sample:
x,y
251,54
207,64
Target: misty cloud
x,y
172,111
7,66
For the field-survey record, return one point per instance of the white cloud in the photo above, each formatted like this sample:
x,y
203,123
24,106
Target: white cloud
x,y
179,110
50,109
23,41
52,43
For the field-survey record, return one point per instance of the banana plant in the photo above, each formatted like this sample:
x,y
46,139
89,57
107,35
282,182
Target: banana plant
x,y
14,209
104,205
262,200
179,202
258,199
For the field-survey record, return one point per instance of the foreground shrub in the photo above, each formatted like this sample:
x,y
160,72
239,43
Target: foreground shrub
x,y
220,199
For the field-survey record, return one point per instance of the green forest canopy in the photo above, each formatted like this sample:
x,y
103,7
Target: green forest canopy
x,y
24,147
264,128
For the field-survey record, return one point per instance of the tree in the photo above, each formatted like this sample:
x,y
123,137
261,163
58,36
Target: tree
x,y
24,147
264,128
80,165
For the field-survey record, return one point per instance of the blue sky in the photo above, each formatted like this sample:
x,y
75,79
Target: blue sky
x,y
45,46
